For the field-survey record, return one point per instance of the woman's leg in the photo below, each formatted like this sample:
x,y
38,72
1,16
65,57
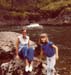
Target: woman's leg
x,y
30,54
25,52
30,58
26,65
25,56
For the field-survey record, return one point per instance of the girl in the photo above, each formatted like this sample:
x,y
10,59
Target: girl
x,y
51,52
24,50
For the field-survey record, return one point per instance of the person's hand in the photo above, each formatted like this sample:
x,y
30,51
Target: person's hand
x,y
39,61
57,57
17,57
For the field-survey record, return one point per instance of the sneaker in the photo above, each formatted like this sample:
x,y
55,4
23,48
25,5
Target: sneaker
x,y
30,68
27,68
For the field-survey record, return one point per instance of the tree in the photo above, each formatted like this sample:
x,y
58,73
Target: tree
x,y
6,3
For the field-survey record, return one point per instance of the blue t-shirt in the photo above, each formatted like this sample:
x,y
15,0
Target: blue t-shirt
x,y
48,49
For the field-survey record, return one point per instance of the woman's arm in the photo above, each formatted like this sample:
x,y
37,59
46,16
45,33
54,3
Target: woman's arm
x,y
17,45
56,48
29,43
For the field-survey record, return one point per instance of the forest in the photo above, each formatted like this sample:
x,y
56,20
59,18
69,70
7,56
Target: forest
x,y
17,11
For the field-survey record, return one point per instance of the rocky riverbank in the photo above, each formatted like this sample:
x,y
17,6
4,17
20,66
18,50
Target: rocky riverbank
x,y
59,35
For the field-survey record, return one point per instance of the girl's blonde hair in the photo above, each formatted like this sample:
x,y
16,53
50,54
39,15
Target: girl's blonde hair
x,y
42,35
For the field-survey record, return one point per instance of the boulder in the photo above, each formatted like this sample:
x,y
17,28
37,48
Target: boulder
x,y
16,67
8,41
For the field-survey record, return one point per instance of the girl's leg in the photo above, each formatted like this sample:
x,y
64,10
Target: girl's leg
x,y
51,65
48,66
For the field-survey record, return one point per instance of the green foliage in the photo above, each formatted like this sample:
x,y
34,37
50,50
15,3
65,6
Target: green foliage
x,y
6,3
29,4
24,5
56,5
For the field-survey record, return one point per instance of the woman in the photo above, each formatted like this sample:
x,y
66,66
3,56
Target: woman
x,y
24,50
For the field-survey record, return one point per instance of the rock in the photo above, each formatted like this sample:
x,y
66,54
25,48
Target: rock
x,y
34,26
8,41
4,66
7,45
16,66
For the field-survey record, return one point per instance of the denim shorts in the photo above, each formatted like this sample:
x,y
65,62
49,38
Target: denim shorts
x,y
27,53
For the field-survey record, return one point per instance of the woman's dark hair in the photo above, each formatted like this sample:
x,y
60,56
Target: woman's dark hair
x,y
24,28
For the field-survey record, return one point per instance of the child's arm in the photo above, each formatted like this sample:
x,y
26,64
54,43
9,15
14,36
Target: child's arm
x,y
56,48
41,53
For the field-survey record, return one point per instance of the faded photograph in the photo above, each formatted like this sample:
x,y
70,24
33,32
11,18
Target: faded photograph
x,y
35,37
